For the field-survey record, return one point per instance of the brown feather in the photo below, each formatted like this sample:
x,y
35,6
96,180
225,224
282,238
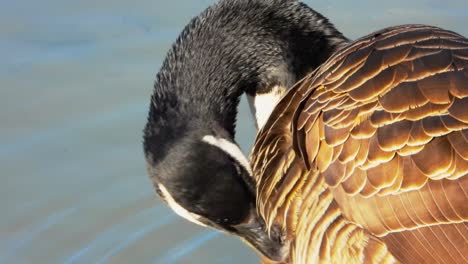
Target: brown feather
x,y
434,127
403,97
435,158
355,184
457,84
377,154
394,136
459,144
363,130
385,174
458,110
365,159
414,178
434,88
373,87
350,150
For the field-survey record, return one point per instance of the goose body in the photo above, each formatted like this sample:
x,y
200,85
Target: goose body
x,y
365,160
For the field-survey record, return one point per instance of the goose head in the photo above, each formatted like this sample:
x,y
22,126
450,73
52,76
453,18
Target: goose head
x,y
207,180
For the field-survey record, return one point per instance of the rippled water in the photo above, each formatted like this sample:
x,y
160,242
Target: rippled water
x,y
75,81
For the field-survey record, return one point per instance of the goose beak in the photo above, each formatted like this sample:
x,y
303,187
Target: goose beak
x,y
254,233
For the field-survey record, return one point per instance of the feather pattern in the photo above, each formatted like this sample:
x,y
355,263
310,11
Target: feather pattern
x,y
364,160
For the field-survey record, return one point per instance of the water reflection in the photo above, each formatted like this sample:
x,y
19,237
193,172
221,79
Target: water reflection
x,y
75,83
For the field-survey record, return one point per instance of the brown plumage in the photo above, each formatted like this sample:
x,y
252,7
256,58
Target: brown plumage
x,y
365,160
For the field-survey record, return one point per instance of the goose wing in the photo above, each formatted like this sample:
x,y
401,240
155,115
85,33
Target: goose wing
x,y
384,124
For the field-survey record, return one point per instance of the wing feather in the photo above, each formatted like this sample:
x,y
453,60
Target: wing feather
x,y
376,141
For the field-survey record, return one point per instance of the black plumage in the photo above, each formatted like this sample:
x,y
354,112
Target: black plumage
x,y
234,46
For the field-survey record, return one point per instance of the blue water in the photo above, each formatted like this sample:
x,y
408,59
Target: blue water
x,y
75,81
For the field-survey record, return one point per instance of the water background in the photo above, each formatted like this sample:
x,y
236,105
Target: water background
x,y
75,81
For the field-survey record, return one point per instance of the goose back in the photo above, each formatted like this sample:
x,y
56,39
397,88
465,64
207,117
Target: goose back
x,y
364,160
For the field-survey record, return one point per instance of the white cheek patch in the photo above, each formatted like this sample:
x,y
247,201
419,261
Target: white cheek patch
x,y
231,149
261,105
194,218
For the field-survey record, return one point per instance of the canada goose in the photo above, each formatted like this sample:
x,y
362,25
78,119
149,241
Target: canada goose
x,y
260,47
365,160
